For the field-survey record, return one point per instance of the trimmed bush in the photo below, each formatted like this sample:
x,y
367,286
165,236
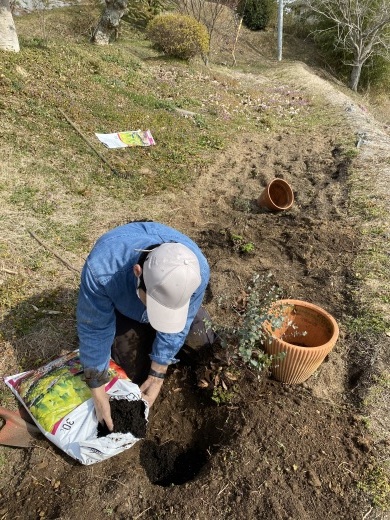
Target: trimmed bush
x,y
179,35
257,14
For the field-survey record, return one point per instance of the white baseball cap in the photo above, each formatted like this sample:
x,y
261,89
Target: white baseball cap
x,y
171,274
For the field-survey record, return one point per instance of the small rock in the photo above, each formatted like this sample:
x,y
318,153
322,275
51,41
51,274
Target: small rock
x,y
363,444
20,70
313,478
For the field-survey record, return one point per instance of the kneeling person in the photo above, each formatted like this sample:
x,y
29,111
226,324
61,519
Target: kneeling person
x,y
140,298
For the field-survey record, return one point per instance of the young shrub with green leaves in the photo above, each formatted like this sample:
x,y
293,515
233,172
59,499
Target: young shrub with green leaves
x,y
248,336
179,35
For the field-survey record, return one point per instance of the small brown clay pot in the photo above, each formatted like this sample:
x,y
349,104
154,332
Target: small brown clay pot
x,y
277,196
305,332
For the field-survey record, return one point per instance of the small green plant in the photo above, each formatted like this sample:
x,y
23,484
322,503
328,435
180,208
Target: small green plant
x,y
220,378
241,246
251,333
247,248
248,337
236,239
223,395
178,35
206,141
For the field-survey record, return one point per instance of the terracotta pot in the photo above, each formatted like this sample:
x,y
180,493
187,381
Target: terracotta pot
x,y
277,196
306,333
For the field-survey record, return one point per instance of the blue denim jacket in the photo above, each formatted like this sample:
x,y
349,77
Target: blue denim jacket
x,y
108,283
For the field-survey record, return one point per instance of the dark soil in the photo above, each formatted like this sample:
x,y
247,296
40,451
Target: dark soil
x,y
128,417
170,463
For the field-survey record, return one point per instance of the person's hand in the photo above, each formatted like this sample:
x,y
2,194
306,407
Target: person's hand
x,y
102,406
150,389
152,386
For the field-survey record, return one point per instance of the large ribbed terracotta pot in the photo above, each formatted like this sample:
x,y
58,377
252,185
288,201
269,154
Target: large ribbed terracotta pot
x,y
305,332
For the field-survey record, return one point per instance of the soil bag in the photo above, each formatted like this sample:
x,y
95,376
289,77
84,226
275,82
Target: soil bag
x,y
60,403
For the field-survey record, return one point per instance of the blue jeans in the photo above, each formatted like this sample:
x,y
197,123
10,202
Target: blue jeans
x,y
133,343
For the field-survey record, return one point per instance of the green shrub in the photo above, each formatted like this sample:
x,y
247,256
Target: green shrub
x,y
257,14
141,12
179,35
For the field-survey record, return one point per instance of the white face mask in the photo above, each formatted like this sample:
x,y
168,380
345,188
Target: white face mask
x,y
138,285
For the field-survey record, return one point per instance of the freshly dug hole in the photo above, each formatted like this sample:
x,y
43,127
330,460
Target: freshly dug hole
x,y
128,417
170,463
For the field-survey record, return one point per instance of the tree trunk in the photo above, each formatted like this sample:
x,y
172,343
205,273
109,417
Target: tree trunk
x,y
8,35
355,76
108,26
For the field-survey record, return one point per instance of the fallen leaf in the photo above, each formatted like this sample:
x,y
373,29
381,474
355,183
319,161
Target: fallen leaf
x,y
231,376
208,374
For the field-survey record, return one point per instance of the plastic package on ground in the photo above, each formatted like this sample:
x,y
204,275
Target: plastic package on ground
x,y
60,403
128,138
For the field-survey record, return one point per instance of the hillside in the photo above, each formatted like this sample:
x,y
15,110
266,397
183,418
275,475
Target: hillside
x,y
271,451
